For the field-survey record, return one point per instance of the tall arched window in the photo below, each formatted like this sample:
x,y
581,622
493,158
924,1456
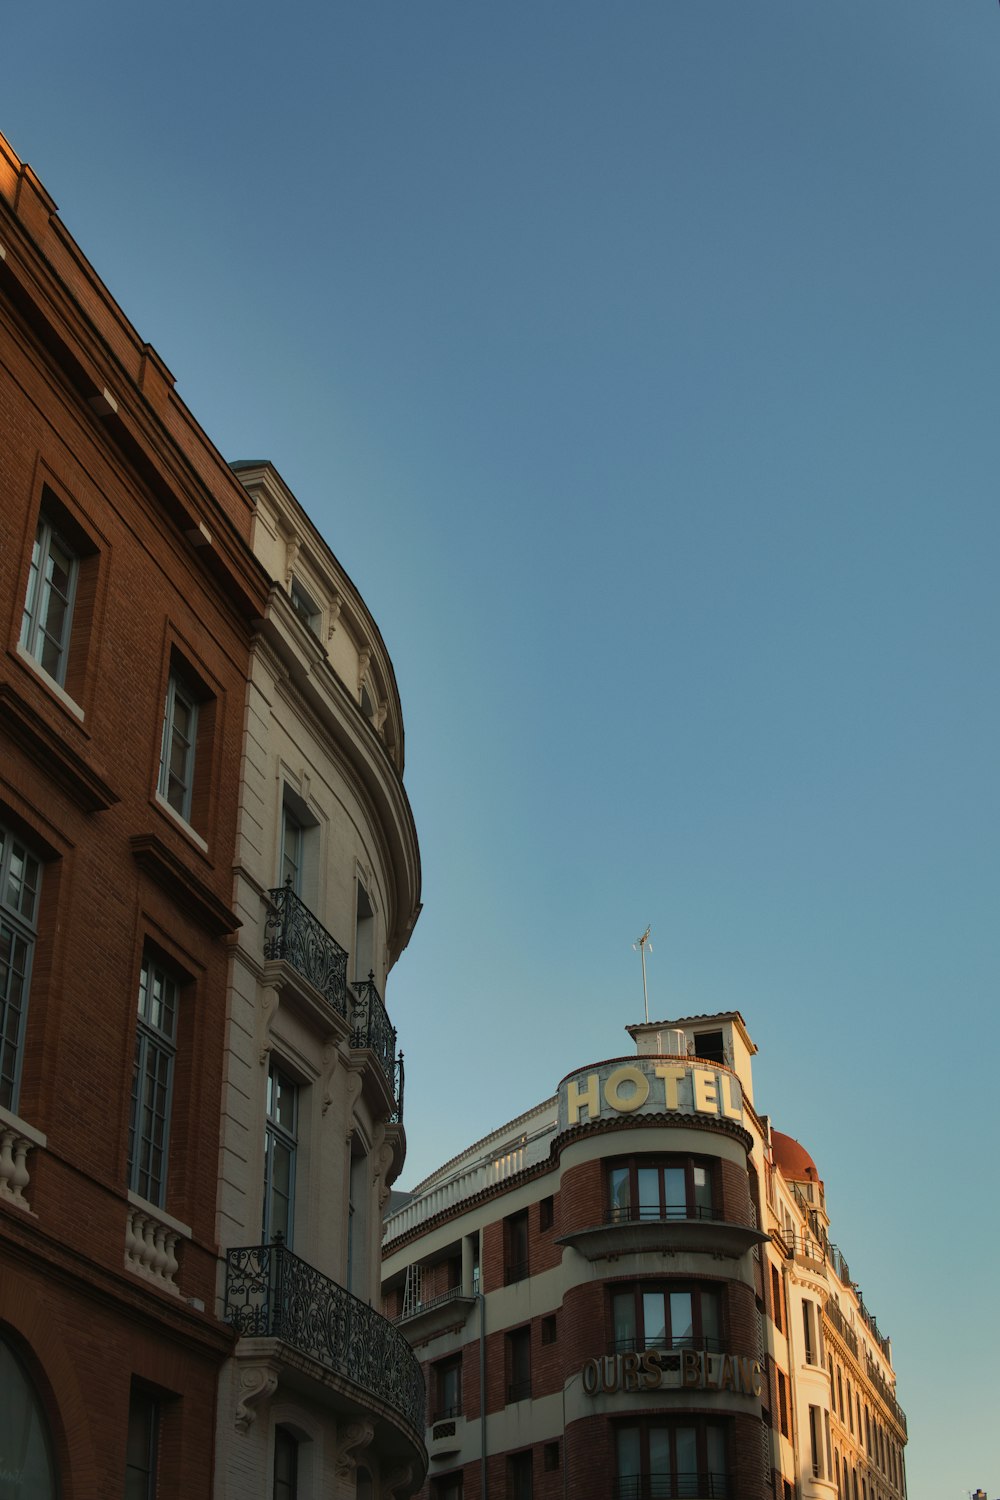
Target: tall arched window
x,y
27,1464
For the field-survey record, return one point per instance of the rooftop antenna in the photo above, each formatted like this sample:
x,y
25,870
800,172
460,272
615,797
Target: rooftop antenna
x,y
642,943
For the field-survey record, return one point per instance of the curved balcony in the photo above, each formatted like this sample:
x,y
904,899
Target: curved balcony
x,y
634,1229
273,1294
294,936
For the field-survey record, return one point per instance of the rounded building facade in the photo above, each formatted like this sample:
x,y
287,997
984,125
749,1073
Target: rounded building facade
x,y
591,1292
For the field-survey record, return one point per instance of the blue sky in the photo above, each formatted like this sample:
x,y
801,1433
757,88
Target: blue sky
x,y
639,362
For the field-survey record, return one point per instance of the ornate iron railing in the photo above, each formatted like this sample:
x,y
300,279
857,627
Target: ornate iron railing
x,y
398,1079
373,1029
292,933
630,1344
271,1293
371,1025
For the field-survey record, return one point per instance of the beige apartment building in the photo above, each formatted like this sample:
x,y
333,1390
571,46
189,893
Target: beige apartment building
x,y
323,1395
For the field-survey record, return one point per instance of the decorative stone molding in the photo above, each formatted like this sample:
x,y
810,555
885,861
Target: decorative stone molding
x,y
16,1140
351,1443
398,1481
151,1238
257,1383
364,661
336,605
292,546
267,1010
331,1052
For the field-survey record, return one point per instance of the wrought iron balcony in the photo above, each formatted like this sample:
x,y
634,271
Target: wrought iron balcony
x,y
271,1293
292,933
373,1029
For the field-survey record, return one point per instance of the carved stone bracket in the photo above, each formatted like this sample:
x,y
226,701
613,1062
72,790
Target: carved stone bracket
x,y
336,605
364,661
257,1383
331,1052
351,1443
352,1086
291,558
397,1482
267,1010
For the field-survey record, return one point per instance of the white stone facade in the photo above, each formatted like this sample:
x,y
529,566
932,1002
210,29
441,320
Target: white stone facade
x,y
327,887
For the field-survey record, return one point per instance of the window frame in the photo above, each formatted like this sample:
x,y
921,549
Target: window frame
x,y
516,1248
34,632
18,936
153,1043
143,1403
520,1475
286,1444
647,1482
518,1363
278,1135
635,1211
179,687
447,1371
638,1291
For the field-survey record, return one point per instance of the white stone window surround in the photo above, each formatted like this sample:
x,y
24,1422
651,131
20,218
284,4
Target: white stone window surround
x,y
55,688
17,1138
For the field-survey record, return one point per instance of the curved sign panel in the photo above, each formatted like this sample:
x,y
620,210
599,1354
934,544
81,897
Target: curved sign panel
x,y
648,1086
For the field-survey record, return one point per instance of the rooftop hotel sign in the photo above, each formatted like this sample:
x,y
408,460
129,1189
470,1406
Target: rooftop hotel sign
x,y
648,1086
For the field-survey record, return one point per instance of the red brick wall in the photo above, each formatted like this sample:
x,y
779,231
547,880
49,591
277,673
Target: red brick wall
x,y
127,485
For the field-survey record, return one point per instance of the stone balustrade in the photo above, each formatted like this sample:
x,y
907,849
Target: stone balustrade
x,y
16,1139
151,1239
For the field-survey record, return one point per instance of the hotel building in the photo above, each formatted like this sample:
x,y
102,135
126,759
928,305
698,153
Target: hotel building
x,y
630,1291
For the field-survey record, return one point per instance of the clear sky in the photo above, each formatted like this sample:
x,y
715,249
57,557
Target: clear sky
x,y
640,362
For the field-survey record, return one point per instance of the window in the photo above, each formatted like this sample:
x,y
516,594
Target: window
x,y
676,1188
550,1457
519,1364
25,1443
519,1476
710,1045
448,1388
447,1487
550,1329
663,1459
286,1465
177,751
546,1213
303,605
666,1317
279,1155
140,1456
783,1404
152,1080
291,850
48,604
20,878
809,1331
364,934
515,1239
815,1442
776,1298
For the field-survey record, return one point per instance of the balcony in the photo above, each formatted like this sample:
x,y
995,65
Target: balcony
x,y
294,936
425,1320
372,1029
638,1228
273,1294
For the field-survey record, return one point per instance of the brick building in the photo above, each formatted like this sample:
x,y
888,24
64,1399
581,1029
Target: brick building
x,y
128,589
630,1291
208,868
